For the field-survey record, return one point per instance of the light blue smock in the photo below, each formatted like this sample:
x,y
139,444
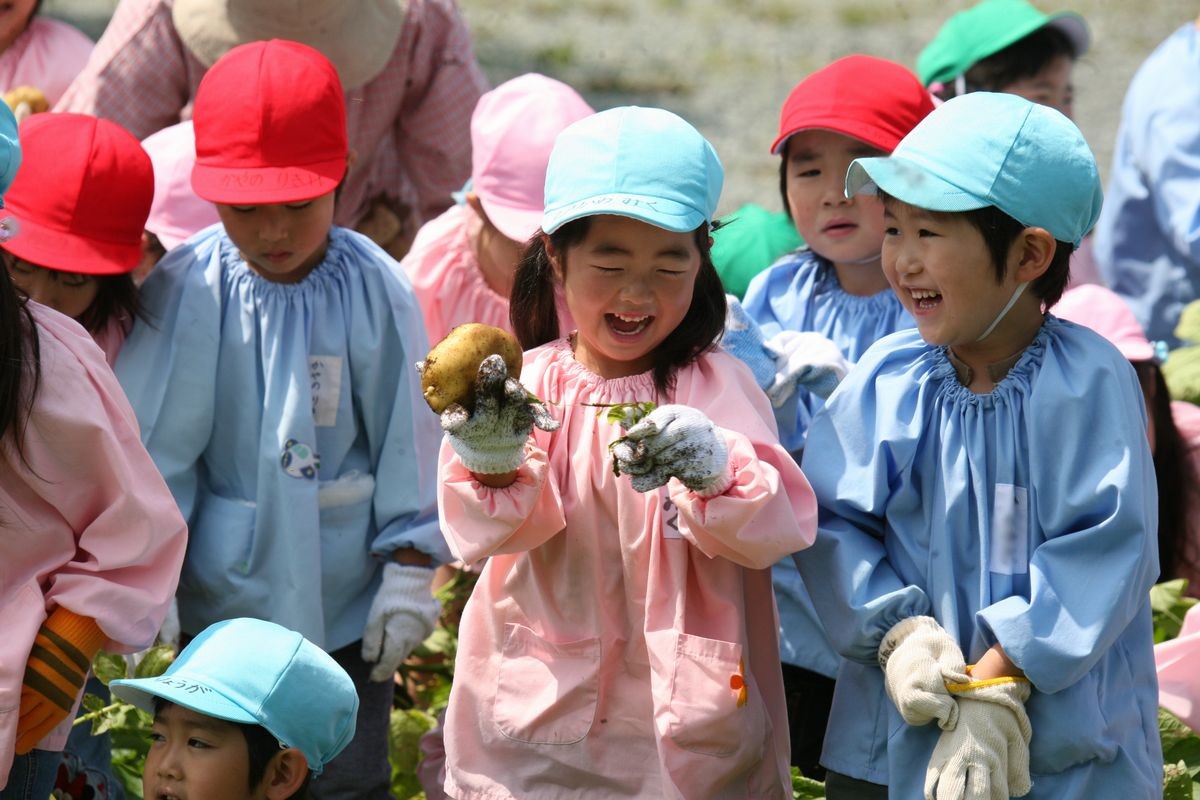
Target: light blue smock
x,y
1026,517
1147,244
800,292
288,422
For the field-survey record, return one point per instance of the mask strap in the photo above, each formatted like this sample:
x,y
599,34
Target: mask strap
x,y
1004,311
960,85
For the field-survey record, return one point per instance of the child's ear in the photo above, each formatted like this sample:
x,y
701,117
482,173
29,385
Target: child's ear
x,y
285,774
554,257
1031,254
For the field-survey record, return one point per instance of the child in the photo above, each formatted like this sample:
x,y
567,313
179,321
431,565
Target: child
x,y
621,640
1173,428
1006,46
39,53
81,199
248,709
274,393
986,489
462,263
835,287
92,539
176,213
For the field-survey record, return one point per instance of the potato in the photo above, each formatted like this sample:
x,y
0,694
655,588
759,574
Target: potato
x,y
448,372
32,97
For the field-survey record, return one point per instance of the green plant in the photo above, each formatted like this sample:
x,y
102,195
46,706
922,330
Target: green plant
x,y
1168,605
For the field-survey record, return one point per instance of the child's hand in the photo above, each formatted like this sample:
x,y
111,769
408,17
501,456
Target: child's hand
x,y
402,614
674,441
919,658
986,755
492,439
58,666
804,359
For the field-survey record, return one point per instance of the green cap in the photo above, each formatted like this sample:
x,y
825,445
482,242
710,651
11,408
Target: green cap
x,y
751,240
987,28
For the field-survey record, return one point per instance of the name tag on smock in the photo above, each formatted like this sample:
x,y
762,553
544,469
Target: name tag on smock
x,y
1010,530
325,376
670,516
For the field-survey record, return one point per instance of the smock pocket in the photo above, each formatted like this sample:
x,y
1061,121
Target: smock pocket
x,y
715,709
546,692
219,545
1068,728
346,508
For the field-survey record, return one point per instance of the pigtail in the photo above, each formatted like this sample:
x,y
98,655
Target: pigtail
x,y
20,363
533,303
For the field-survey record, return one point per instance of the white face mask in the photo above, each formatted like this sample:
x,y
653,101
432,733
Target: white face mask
x,y
1004,311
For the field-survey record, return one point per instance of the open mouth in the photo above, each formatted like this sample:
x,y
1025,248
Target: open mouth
x,y
839,228
925,299
627,324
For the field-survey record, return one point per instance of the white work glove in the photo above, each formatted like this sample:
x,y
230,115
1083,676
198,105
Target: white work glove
x,y
491,440
674,441
168,633
402,614
986,756
919,658
804,359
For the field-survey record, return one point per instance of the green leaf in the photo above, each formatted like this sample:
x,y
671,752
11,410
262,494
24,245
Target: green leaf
x,y
93,703
405,730
806,788
155,661
1168,605
108,667
440,642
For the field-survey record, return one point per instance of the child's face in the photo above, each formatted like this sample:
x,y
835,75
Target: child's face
x,y
14,19
628,285
68,293
282,242
196,757
845,230
940,268
1051,86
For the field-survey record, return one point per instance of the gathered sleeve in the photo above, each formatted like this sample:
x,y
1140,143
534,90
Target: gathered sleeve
x,y
168,365
1095,498
387,338
856,447
85,463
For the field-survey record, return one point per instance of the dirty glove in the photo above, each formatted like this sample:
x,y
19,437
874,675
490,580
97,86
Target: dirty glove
x,y
58,665
491,439
986,756
919,658
402,614
807,360
743,339
674,441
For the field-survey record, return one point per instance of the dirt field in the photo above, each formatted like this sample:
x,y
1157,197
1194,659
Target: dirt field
x,y
727,66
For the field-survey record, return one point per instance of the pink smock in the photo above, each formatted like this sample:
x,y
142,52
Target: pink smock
x,y
88,524
1178,665
47,56
619,644
1186,417
446,278
110,338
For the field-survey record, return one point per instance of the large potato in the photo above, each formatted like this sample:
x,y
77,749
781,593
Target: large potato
x,y
448,372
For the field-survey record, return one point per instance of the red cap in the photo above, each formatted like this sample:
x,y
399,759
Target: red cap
x,y
81,196
871,99
270,121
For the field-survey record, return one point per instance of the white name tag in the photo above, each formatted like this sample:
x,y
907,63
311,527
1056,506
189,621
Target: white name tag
x,y
325,376
1010,530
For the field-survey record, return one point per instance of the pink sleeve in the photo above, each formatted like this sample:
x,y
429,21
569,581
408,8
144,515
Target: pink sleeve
x,y
769,510
1178,678
138,75
479,521
92,473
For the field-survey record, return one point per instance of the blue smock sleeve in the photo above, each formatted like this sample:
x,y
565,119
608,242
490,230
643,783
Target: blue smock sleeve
x,y
857,446
403,435
168,364
1095,500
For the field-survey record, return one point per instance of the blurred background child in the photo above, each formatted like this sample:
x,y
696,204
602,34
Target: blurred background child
x,y
39,56
92,539
835,287
462,264
249,709
81,199
276,394
176,211
1173,428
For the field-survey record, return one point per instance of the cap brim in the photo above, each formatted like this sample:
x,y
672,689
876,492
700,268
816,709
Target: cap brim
x,y
908,183
68,252
1074,28
656,211
245,186
517,224
182,691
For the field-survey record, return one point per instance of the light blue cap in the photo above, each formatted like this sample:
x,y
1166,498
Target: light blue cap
x,y
10,150
644,163
988,149
259,673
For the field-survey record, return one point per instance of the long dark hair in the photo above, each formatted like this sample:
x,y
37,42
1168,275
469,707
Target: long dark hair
x,y
20,362
117,297
533,309
1178,501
